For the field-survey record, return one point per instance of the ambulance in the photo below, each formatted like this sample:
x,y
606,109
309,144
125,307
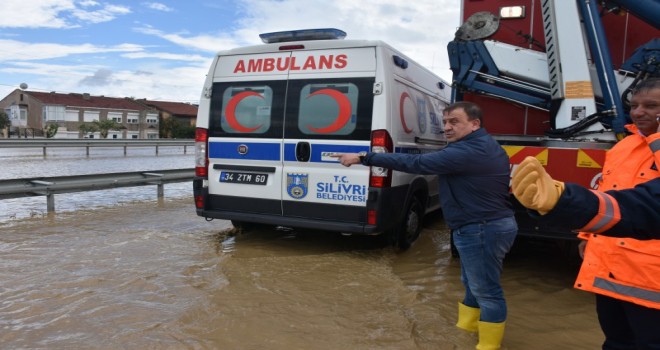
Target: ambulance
x,y
271,116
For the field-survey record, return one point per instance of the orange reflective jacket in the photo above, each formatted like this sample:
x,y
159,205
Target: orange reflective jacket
x,y
625,268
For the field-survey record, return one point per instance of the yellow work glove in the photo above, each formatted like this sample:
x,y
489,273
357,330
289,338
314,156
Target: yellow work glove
x,y
534,188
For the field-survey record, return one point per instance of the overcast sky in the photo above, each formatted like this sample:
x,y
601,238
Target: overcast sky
x,y
162,50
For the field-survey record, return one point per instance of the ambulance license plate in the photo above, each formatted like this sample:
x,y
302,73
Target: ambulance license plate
x,y
243,178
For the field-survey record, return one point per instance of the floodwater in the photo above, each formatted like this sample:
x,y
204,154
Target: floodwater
x,y
19,163
153,275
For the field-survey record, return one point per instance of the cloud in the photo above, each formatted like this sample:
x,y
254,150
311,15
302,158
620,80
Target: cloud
x,y
166,56
57,13
42,14
177,68
105,14
203,42
16,50
158,6
101,77
420,30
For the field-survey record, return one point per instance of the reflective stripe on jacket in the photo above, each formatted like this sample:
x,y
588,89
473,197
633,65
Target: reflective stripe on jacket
x,y
609,214
624,268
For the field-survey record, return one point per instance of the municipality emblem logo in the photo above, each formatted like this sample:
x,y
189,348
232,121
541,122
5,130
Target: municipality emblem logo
x,y
296,185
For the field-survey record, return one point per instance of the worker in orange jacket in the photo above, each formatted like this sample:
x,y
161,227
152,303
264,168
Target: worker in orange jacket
x,y
624,273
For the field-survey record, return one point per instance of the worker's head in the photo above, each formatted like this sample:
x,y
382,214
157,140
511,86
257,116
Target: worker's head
x,y
645,106
461,119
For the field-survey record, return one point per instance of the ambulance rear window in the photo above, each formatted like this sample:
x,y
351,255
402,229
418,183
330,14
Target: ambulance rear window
x,y
328,109
331,108
245,109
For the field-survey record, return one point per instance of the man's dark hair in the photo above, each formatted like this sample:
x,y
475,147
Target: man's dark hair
x,y
472,110
647,85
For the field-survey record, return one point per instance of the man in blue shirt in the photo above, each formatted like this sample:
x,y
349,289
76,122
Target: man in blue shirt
x,y
474,178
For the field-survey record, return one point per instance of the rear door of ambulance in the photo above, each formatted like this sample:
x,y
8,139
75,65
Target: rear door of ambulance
x,y
276,118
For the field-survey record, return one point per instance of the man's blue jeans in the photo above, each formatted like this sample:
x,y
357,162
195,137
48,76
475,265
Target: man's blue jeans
x,y
482,247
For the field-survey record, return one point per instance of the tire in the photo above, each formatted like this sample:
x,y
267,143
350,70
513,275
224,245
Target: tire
x,y
408,230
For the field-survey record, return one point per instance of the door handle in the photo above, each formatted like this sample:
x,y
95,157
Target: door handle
x,y
303,151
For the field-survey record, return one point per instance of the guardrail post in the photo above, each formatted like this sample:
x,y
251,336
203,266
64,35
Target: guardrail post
x,y
156,149
87,151
50,203
44,151
125,149
50,197
160,193
184,149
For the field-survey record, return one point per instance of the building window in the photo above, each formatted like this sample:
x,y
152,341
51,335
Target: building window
x,y
54,113
117,117
152,118
17,115
91,116
132,118
72,116
152,135
134,136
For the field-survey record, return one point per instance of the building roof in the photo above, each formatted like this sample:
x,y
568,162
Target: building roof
x,y
174,108
85,100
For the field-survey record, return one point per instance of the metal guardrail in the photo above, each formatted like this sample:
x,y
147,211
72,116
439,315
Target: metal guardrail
x,y
49,186
87,143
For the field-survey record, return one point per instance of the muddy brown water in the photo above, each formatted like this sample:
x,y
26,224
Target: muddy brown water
x,y
153,275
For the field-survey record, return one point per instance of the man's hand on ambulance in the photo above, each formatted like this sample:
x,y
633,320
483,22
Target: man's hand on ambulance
x,y
347,159
534,188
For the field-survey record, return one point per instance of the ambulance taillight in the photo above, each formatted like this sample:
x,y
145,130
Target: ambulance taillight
x,y
381,142
201,156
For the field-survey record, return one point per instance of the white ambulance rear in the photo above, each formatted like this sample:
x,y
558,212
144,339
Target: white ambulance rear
x,y
271,115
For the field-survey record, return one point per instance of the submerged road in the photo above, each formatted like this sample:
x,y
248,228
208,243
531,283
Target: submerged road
x,y
153,275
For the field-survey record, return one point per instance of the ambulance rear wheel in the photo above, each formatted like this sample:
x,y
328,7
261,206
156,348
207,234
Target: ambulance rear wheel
x,y
411,225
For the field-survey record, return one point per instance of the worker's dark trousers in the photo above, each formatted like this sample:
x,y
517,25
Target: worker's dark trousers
x,y
627,325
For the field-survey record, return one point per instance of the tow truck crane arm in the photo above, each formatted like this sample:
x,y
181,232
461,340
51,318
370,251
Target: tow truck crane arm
x,y
581,93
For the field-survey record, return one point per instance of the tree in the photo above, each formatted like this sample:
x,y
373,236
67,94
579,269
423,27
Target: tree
x,y
104,126
174,128
86,128
51,130
4,120
168,127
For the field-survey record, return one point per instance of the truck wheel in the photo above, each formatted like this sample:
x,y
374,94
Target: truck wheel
x,y
411,225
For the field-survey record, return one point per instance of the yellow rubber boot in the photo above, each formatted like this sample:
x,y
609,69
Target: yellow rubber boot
x,y
490,335
468,317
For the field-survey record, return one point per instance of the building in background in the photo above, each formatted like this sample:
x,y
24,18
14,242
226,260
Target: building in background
x,y
177,119
32,112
